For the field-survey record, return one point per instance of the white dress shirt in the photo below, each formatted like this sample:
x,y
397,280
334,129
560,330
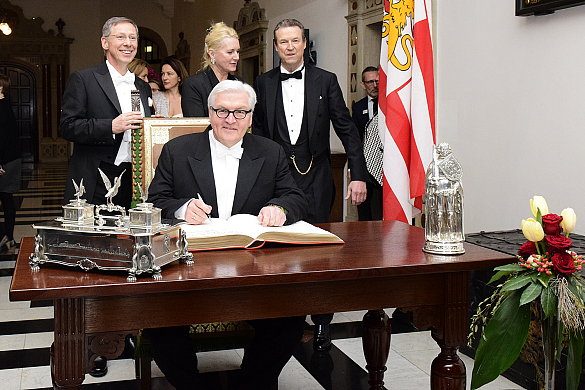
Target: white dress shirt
x,y
124,84
370,107
225,173
293,100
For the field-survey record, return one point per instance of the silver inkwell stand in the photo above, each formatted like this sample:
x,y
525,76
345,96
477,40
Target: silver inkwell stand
x,y
104,238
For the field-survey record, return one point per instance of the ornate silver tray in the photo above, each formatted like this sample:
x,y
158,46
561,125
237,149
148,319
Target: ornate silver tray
x,y
135,250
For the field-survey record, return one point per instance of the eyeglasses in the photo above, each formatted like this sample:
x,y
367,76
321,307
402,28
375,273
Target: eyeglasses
x,y
122,38
223,113
371,82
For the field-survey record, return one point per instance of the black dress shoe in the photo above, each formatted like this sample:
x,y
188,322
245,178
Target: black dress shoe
x,y
322,338
100,367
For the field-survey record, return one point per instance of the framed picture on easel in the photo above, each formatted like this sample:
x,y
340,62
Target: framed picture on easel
x,y
147,145
543,7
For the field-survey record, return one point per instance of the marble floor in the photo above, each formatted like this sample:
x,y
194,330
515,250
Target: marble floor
x,y
26,331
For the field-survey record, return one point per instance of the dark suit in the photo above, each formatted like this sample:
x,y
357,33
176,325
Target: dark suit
x,y
324,104
196,89
263,177
371,208
360,116
185,169
90,103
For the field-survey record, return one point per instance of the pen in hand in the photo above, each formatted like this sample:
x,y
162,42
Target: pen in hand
x,y
202,201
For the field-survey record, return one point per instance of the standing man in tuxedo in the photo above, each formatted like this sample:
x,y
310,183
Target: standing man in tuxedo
x,y
296,105
234,173
97,116
363,111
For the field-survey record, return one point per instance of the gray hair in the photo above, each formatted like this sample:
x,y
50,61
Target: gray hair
x,y
111,22
232,86
289,23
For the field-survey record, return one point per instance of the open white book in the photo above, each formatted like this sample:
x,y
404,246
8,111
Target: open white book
x,y
244,231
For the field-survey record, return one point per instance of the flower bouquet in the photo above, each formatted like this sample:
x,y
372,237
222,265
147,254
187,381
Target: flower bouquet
x,y
544,274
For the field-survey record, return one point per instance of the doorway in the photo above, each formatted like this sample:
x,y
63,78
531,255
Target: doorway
x,y
23,98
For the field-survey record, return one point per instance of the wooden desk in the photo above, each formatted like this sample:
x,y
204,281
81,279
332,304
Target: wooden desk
x,y
380,265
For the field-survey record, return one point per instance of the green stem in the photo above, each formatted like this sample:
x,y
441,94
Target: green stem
x,y
537,247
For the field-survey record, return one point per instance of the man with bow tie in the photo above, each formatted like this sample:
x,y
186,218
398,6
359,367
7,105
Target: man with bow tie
x,y
220,173
97,116
297,103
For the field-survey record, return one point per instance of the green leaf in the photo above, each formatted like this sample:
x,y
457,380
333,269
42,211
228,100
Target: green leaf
x,y
499,275
548,301
539,216
516,283
574,361
503,338
530,293
544,278
573,287
510,267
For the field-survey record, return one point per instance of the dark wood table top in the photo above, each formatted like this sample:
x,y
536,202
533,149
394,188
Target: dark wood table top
x,y
371,250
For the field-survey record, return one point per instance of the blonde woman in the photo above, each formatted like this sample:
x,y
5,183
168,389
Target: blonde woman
x,y
139,68
220,59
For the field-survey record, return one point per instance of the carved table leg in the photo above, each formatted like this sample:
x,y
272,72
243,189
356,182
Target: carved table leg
x,y
376,342
448,370
68,349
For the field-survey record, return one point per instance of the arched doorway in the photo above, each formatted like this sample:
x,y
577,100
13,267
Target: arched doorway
x,y
151,48
23,98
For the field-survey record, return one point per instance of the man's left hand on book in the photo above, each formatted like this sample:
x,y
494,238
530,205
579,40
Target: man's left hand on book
x,y
272,216
197,212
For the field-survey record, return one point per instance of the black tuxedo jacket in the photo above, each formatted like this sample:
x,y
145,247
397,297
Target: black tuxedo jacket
x,y
196,89
360,116
89,105
324,105
185,170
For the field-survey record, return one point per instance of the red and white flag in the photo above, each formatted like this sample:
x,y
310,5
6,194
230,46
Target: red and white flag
x,y
406,118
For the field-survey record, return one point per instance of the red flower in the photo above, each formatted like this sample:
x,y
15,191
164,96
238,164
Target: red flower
x,y
558,243
563,263
551,223
527,249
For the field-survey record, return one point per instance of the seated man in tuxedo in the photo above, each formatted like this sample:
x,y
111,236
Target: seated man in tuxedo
x,y
234,172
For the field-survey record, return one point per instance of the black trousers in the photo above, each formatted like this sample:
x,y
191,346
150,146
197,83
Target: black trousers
x,y
9,207
273,344
372,208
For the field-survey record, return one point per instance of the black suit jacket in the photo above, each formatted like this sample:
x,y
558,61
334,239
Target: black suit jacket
x,y
360,116
185,170
196,89
89,105
324,104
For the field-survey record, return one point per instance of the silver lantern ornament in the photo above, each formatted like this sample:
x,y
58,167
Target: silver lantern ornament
x,y
444,204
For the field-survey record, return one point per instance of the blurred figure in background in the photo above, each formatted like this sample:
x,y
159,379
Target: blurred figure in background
x,y
140,68
220,58
172,74
10,164
155,86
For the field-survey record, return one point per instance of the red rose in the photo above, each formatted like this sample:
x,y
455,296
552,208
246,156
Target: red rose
x,y
551,223
527,249
563,263
558,243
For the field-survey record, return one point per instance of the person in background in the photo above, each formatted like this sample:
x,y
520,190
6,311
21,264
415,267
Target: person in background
x,y
220,59
173,74
236,173
297,104
97,116
363,112
155,86
10,164
140,68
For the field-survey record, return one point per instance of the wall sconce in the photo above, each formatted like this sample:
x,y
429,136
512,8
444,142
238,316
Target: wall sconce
x,y
8,20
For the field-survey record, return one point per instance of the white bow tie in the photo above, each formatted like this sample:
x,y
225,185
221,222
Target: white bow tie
x,y
236,152
128,78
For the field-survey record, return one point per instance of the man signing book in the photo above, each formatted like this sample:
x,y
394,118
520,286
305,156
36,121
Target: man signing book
x,y
220,173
